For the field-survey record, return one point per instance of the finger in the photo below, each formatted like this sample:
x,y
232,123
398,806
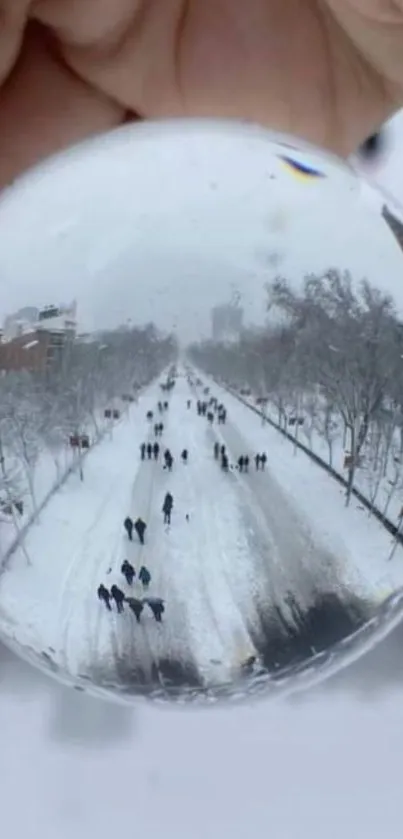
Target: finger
x,y
45,107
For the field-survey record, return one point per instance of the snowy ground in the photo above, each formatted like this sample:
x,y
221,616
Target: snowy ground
x,y
357,539
244,559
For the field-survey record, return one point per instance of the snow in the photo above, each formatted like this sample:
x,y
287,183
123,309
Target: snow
x,y
237,546
354,536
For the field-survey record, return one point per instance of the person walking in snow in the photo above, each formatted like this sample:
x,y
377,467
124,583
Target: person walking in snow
x,y
156,450
128,526
241,463
118,596
104,596
168,460
189,404
149,451
143,451
222,450
224,462
257,462
144,576
246,463
216,450
167,508
157,607
136,606
140,528
128,572
263,460
184,456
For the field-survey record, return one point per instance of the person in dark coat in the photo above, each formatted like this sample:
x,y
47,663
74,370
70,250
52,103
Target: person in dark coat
x,y
104,596
168,460
118,596
184,455
246,463
257,462
144,576
136,606
165,406
241,463
263,460
128,572
143,451
149,451
128,525
222,450
167,508
157,607
140,528
161,428
156,450
216,450
224,462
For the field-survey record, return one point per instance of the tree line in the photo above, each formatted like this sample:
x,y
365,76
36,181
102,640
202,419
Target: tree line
x,y
39,412
330,354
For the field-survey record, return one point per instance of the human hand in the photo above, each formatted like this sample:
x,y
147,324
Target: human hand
x,y
327,70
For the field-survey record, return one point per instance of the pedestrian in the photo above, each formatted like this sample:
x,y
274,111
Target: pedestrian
x,y
104,596
144,576
184,456
246,463
168,460
128,572
241,463
224,462
128,525
136,606
149,451
140,528
167,508
216,450
157,607
118,596
156,450
263,460
222,450
143,451
257,462
189,403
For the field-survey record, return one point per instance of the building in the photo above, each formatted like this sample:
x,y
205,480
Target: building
x,y
37,345
227,323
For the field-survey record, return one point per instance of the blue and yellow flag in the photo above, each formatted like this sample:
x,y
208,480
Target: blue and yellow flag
x,y
300,170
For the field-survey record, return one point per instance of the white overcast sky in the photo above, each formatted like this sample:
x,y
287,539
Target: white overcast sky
x,y
163,231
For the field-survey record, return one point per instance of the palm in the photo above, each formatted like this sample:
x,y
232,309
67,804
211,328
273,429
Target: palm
x,y
290,65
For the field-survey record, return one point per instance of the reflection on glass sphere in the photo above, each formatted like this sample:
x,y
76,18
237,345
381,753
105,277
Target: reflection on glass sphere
x,y
201,413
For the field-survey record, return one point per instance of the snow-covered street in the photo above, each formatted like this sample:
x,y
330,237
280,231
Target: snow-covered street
x,y
253,573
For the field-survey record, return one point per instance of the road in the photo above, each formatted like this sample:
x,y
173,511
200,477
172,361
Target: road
x,y
238,569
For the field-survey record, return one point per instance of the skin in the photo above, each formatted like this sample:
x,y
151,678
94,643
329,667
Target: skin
x,y
328,70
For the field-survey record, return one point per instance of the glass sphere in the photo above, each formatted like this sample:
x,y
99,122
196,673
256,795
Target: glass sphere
x,y
201,413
